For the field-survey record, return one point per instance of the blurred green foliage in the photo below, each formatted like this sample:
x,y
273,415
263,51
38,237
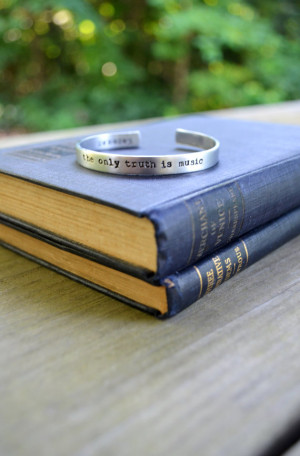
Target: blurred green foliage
x,y
66,63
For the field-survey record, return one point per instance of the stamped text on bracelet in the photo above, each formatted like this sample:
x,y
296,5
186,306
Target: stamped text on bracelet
x,y
94,153
139,164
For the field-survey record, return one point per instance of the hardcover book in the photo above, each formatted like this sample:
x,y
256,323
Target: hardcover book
x,y
171,294
154,226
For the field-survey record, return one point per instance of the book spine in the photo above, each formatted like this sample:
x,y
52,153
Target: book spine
x,y
188,230
190,285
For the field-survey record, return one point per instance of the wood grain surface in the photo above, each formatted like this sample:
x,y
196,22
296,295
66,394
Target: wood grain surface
x,y
82,374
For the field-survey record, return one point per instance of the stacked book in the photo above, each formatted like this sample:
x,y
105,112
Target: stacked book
x,y
158,243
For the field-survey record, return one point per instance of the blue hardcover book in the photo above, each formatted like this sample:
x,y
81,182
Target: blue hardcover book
x,y
154,226
173,293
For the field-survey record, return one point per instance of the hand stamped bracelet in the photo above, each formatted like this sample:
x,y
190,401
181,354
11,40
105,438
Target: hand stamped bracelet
x,y
94,152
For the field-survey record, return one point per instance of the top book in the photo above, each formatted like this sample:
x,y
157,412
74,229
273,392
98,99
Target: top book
x,y
154,226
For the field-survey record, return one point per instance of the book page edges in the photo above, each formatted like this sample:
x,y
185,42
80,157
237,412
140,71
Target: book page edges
x,y
105,229
118,282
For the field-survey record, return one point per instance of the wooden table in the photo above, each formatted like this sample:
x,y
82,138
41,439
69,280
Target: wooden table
x,y
83,374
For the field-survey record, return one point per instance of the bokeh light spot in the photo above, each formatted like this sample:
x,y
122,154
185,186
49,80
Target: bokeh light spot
x,y
11,35
117,26
87,27
109,69
106,9
63,18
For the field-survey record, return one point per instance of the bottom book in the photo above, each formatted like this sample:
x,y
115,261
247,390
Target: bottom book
x,y
173,293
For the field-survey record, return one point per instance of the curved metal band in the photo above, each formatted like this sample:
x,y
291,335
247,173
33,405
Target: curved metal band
x,y
94,153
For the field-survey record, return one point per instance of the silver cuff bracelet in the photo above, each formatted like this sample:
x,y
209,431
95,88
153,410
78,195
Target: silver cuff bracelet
x,y
94,153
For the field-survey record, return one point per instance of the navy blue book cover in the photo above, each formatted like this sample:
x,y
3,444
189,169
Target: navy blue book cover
x,y
257,180
190,285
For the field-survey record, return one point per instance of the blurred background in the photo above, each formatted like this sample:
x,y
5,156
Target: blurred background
x,y
68,63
